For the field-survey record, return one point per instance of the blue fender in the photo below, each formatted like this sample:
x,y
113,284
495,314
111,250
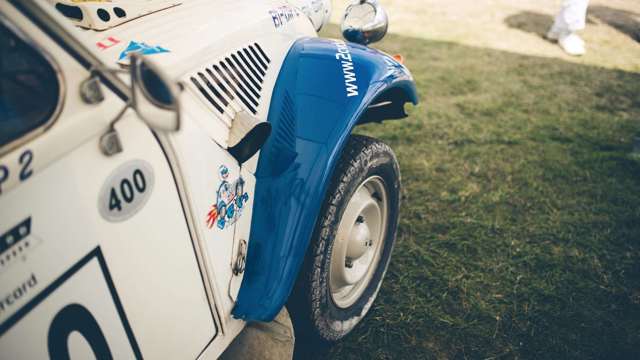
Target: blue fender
x,y
323,89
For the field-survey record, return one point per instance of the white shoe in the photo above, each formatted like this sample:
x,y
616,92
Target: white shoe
x,y
572,44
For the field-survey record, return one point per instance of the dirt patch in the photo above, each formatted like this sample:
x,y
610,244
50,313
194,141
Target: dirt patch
x,y
612,34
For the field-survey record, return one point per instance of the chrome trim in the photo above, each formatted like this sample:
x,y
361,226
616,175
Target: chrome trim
x,y
355,30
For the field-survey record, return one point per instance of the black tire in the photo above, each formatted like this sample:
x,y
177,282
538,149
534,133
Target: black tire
x,y
317,320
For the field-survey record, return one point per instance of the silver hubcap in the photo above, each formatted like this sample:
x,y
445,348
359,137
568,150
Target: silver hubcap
x,y
359,242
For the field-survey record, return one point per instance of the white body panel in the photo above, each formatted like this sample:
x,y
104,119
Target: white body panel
x,y
200,33
149,257
159,282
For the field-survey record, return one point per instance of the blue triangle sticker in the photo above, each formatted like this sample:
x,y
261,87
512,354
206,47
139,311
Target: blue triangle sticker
x,y
141,48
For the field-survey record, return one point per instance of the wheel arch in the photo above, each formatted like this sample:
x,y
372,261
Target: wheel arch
x,y
325,88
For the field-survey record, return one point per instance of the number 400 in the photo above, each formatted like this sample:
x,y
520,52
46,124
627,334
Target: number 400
x,y
127,190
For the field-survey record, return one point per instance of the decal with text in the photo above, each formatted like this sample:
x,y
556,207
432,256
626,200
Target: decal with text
x,y
283,15
126,191
346,62
23,172
18,292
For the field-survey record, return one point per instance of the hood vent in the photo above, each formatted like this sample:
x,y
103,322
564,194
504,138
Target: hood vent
x,y
102,15
234,83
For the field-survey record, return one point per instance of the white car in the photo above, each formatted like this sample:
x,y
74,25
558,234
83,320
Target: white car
x,y
171,171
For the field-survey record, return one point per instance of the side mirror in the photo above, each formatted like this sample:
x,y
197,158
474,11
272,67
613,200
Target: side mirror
x,y
154,97
365,22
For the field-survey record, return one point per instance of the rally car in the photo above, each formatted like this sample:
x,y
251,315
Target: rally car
x,y
171,171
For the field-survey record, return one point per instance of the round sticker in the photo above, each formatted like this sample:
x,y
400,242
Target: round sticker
x,y
126,191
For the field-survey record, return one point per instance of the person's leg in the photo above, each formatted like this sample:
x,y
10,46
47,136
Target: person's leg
x,y
574,14
571,18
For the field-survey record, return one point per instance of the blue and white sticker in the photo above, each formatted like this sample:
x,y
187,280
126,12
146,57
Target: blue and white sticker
x,y
140,48
230,201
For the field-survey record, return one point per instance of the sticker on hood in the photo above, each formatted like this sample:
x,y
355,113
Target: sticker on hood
x,y
139,48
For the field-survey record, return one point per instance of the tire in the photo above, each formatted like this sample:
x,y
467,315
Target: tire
x,y
323,311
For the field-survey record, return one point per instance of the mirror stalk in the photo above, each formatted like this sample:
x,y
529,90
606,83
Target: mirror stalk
x,y
153,97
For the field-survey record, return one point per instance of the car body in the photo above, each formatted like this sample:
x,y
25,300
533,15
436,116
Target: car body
x,y
137,237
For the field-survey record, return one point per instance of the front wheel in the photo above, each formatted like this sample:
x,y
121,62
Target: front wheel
x,y
351,246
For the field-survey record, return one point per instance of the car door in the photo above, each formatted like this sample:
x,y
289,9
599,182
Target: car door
x,y
95,252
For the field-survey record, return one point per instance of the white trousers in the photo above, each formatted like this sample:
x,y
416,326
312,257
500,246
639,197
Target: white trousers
x,y
572,16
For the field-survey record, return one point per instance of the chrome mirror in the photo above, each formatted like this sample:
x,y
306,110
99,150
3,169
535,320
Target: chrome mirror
x,y
365,22
154,97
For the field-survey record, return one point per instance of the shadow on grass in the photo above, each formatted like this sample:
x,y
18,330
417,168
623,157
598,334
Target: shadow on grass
x,y
520,230
531,22
626,22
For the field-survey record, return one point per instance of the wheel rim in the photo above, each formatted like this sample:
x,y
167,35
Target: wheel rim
x,y
359,242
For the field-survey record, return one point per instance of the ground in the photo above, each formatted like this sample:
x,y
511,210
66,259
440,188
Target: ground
x,y
519,234
518,26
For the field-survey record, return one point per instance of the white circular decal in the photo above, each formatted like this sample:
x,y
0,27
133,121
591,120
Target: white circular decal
x,y
126,191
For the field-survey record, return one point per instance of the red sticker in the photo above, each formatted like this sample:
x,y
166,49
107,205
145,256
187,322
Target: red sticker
x,y
107,43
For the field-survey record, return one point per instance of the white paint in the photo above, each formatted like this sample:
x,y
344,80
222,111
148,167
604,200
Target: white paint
x,y
172,273
27,339
150,256
346,62
318,11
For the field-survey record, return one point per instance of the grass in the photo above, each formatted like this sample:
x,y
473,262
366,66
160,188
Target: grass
x,y
520,223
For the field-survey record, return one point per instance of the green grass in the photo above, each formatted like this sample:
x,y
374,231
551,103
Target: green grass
x,y
520,223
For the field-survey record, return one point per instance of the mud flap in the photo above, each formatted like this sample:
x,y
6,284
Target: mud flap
x,y
264,340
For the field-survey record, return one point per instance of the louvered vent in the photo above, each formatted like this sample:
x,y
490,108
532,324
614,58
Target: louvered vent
x,y
236,81
283,138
